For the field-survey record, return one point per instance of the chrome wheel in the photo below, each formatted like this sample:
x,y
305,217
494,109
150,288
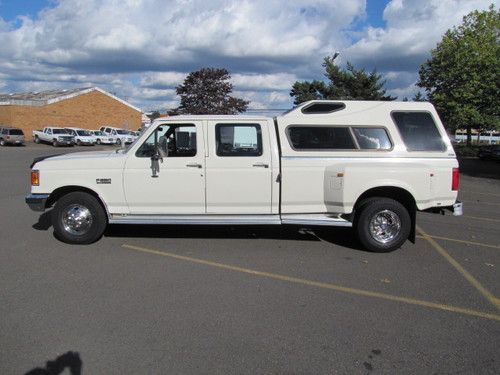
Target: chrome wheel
x,y
384,226
77,219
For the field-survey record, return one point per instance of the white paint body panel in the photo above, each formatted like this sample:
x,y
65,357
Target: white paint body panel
x,y
323,183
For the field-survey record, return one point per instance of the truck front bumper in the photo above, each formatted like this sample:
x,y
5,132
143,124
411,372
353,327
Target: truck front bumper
x,y
37,201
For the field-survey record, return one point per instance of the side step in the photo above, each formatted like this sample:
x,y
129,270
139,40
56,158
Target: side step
x,y
292,219
333,220
196,219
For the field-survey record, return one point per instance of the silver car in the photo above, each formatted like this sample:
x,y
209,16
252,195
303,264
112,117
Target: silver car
x,y
13,136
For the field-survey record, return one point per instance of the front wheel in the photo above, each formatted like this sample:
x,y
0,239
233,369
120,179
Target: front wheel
x,y
118,141
79,218
37,140
54,143
383,224
2,142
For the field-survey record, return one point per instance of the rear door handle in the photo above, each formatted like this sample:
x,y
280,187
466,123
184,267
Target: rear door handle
x,y
261,165
194,165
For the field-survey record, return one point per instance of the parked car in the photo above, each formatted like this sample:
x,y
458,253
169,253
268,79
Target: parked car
x,y
101,138
363,164
491,152
11,136
121,136
82,137
54,135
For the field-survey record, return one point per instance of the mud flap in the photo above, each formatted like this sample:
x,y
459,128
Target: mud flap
x,y
413,217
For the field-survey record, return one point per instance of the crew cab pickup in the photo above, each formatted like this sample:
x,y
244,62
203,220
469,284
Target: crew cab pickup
x,y
362,164
55,136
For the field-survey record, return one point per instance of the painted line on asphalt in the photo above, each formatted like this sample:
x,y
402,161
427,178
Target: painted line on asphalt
x,y
481,218
476,192
338,288
461,241
487,203
471,279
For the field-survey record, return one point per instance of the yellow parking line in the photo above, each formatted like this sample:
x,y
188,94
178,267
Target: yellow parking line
x,y
476,192
471,279
482,218
487,203
462,241
339,288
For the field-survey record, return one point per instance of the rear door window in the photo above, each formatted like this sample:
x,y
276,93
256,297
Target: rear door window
x,y
238,140
419,131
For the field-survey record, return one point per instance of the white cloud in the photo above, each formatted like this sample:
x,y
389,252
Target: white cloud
x,y
142,49
413,29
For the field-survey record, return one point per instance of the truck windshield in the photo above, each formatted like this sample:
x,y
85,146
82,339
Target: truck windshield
x,y
122,132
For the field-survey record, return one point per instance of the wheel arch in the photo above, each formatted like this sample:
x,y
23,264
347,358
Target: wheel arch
x,y
61,191
399,194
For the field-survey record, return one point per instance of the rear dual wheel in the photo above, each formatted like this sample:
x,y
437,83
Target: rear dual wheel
x,y
382,224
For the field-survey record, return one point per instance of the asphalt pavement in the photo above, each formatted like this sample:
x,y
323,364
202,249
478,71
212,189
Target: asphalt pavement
x,y
249,300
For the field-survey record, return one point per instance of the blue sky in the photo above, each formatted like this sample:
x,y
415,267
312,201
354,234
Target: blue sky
x,y
142,49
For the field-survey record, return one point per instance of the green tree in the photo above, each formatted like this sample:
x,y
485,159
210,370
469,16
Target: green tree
x,y
461,77
153,115
419,97
207,92
346,84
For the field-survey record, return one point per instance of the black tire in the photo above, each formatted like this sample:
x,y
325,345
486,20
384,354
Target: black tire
x,y
98,141
37,140
54,143
78,142
2,142
79,218
118,141
382,224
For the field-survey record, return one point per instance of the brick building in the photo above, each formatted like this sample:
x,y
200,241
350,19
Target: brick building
x,y
87,108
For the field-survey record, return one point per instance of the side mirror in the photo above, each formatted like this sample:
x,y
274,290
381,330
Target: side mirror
x,y
156,158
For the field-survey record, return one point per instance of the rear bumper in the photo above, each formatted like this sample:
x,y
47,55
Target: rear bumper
x,y
37,201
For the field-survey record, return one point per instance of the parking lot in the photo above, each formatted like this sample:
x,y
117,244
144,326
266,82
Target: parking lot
x,y
249,300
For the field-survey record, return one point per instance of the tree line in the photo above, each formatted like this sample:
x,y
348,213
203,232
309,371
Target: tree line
x,y
460,78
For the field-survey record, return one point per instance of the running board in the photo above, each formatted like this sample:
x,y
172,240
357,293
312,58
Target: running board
x,y
292,219
333,220
196,219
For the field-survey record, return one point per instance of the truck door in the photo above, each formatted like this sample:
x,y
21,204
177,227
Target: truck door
x,y
239,170
179,187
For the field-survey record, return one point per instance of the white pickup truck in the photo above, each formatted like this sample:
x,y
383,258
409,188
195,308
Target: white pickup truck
x,y
55,136
369,165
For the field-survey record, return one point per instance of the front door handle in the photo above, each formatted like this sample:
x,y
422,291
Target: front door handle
x,y
261,165
194,165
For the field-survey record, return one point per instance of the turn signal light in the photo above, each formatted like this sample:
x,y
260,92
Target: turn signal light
x,y
35,177
455,179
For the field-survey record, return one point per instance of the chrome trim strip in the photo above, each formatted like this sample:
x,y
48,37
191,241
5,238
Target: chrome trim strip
x,y
387,157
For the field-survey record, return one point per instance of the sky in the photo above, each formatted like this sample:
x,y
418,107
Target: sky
x,y
140,50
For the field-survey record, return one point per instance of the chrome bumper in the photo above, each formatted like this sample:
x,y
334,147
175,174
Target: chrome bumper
x,y
37,201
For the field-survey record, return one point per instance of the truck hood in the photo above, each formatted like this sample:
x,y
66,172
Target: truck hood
x,y
82,160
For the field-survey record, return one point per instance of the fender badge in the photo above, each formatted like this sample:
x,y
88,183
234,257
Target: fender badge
x,y
103,180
